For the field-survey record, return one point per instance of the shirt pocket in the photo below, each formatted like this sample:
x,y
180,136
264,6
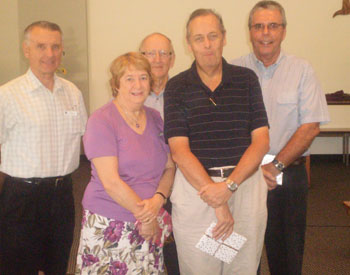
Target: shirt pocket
x,y
287,108
73,120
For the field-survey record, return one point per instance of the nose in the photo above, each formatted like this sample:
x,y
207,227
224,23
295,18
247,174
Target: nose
x,y
207,42
157,57
49,51
265,30
137,83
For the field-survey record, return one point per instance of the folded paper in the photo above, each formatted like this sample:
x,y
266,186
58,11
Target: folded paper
x,y
223,250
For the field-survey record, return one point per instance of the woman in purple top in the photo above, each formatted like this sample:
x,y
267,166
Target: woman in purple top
x,y
124,225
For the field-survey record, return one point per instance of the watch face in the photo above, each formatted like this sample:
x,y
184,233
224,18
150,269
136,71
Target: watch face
x,y
232,186
279,165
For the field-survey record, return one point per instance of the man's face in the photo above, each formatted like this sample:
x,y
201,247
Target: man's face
x,y
44,50
206,41
267,41
157,50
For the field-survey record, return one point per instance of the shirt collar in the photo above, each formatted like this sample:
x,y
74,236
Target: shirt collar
x,y
269,71
195,78
34,83
153,94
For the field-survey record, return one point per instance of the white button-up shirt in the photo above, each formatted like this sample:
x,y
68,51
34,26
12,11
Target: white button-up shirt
x,y
40,130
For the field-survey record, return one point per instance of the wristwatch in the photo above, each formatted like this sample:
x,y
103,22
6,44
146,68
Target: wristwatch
x,y
278,164
231,185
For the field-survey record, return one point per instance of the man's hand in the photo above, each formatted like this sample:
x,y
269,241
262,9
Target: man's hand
x,y
224,226
215,194
270,173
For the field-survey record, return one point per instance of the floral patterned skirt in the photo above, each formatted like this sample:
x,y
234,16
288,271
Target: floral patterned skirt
x,y
109,246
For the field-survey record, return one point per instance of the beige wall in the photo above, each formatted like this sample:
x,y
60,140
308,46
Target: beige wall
x,y
115,27
15,15
9,45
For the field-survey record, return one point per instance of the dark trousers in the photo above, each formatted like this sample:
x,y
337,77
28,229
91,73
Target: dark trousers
x,y
36,227
286,225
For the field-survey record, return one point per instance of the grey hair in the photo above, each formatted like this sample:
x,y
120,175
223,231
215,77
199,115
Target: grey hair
x,y
158,33
41,24
203,12
269,5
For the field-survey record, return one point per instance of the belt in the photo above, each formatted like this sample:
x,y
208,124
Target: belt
x,y
37,181
220,172
298,161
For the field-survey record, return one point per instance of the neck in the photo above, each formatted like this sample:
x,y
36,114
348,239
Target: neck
x,y
211,77
47,80
268,60
127,106
159,85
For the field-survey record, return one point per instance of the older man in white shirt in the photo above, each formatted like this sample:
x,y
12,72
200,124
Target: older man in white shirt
x,y
42,119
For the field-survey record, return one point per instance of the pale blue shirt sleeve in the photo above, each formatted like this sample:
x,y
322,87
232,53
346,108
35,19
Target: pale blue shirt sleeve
x,y
312,102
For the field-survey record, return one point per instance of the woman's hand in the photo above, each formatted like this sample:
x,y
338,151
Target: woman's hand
x,y
150,208
149,231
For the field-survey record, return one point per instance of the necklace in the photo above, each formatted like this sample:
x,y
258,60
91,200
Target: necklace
x,y
128,116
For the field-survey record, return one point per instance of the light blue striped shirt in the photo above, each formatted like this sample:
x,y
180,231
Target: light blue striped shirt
x,y
292,96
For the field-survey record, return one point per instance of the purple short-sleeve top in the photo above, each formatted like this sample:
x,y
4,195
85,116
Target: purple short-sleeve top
x,y
141,158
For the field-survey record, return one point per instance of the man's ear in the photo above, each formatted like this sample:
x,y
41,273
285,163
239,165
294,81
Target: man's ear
x,y
25,49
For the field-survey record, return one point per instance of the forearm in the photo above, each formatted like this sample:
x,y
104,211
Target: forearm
x,y
252,157
298,143
115,187
122,194
191,168
166,181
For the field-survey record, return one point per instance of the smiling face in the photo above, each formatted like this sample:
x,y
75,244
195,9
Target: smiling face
x,y
267,42
134,86
153,46
206,41
43,48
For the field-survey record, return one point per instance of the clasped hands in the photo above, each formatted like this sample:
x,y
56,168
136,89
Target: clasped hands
x,y
147,216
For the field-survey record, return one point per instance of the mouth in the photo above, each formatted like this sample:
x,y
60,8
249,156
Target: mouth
x,y
140,93
266,43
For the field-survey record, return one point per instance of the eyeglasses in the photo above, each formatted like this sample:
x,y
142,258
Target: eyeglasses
x,y
270,26
162,54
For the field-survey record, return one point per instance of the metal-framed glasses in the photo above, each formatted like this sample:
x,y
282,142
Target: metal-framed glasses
x,y
161,53
270,26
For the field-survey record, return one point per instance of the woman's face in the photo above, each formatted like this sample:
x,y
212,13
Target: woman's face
x,y
134,86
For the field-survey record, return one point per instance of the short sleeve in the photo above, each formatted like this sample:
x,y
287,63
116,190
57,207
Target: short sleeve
x,y
174,110
100,138
312,101
258,112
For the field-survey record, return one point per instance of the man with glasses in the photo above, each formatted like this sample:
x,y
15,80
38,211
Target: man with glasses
x,y
295,106
216,127
159,51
